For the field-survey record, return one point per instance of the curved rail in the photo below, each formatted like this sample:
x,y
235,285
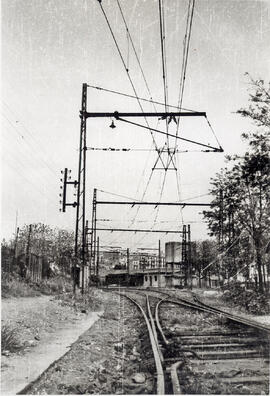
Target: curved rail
x,y
236,318
156,353
154,328
208,308
174,377
166,342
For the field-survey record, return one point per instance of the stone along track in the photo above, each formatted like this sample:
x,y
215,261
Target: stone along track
x,y
213,351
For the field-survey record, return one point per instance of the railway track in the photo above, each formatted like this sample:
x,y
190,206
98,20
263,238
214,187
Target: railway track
x,y
201,349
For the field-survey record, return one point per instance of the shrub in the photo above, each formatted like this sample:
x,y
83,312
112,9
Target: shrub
x,y
252,301
16,287
9,338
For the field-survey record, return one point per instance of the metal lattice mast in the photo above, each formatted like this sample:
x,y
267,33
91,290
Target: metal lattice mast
x,y
184,252
93,233
80,236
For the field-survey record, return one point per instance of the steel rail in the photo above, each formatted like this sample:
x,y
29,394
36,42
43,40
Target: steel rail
x,y
159,368
166,342
153,328
236,318
173,369
174,377
207,308
202,306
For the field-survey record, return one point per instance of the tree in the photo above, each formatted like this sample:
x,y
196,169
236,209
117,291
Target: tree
x,y
54,244
241,194
203,254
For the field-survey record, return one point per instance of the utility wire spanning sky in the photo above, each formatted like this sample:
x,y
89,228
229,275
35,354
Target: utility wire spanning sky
x,y
49,48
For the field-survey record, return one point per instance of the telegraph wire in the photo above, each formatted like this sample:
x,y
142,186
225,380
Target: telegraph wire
x,y
32,135
27,142
15,169
30,148
17,160
23,155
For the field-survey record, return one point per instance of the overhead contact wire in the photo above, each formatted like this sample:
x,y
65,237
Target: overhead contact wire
x,y
164,71
127,71
136,54
185,59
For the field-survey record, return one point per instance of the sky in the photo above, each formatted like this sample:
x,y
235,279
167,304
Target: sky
x,y
51,47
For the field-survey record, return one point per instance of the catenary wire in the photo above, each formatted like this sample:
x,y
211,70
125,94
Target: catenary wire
x,y
135,52
185,59
126,69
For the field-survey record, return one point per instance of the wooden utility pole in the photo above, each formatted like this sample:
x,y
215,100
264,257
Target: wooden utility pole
x,y
97,272
16,243
128,263
189,256
28,246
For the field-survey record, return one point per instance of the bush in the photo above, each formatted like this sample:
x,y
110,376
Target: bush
x,y
55,285
252,301
15,286
9,338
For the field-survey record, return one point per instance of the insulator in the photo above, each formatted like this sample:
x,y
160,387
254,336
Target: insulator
x,y
69,178
61,180
60,195
60,202
69,171
61,187
60,210
112,125
62,171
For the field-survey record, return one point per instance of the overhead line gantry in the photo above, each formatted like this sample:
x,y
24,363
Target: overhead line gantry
x,y
81,229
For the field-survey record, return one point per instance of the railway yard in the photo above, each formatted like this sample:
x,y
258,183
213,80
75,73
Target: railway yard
x,y
135,253
161,342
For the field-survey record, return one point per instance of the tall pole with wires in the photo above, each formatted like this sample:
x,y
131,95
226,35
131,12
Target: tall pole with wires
x,y
80,235
93,233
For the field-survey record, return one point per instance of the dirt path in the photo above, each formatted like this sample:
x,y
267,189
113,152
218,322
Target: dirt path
x,y
45,329
109,358
34,317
